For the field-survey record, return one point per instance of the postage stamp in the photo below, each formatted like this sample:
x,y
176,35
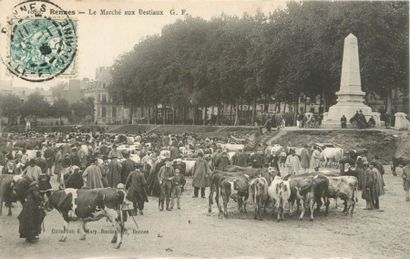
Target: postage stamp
x,y
41,40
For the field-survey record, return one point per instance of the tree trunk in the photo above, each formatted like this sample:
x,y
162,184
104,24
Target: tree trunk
x,y
236,112
204,115
149,114
173,115
389,101
254,111
194,115
218,114
155,114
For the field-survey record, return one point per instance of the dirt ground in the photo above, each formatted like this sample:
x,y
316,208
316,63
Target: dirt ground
x,y
192,231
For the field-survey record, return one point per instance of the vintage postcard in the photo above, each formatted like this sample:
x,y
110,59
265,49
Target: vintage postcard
x,y
204,128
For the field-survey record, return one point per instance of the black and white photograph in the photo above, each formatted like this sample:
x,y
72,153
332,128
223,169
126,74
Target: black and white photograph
x,y
204,129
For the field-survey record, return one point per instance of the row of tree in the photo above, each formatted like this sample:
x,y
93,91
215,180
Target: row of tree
x,y
293,52
13,108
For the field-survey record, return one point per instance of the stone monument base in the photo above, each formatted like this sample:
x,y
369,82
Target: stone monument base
x,y
331,119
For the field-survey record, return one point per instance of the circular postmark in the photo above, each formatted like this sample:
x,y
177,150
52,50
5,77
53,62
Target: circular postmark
x,y
41,40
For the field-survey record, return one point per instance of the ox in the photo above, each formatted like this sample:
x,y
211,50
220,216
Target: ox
x,y
258,193
279,191
228,186
274,150
86,205
309,189
5,192
331,155
345,188
231,147
189,166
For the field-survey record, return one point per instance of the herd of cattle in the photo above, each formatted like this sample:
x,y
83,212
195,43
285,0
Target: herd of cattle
x,y
261,186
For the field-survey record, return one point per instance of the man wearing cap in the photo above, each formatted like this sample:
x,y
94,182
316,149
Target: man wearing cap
x,y
165,176
32,171
92,175
177,186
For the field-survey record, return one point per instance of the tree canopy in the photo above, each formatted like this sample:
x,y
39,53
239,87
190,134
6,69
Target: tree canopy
x,y
294,51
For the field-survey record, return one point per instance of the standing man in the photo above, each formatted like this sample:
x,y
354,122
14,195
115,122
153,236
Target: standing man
x,y
58,161
200,175
165,176
315,160
32,171
49,156
31,216
406,181
114,172
293,163
221,161
136,193
128,165
305,159
114,152
343,121
92,175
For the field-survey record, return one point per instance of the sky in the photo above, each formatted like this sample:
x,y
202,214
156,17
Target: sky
x,y
103,38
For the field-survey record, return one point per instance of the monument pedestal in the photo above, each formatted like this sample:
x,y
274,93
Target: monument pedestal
x,y
350,97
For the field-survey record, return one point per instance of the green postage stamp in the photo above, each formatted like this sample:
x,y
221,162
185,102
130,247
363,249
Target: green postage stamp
x,y
41,45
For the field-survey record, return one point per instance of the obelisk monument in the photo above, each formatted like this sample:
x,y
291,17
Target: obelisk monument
x,y
350,96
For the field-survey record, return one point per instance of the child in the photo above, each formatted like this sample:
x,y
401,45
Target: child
x,y
177,185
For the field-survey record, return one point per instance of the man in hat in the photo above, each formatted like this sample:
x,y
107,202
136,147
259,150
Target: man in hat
x,y
135,184
31,216
92,175
201,174
32,171
128,165
165,176
49,155
221,161
114,172
305,159
41,162
293,163
75,159
115,153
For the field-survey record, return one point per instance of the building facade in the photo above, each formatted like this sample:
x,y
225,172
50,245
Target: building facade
x,y
105,110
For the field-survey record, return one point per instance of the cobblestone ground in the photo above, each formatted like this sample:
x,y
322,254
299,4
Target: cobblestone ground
x,y
192,231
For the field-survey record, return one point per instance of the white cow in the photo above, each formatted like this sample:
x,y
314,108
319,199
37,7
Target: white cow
x,y
345,188
275,149
232,147
189,166
331,155
279,191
